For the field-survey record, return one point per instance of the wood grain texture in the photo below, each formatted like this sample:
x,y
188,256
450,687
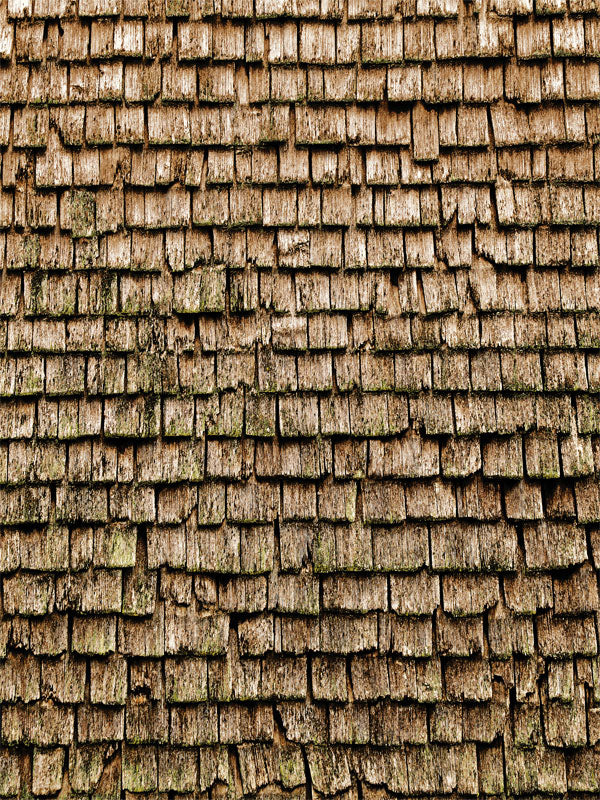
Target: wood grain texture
x,y
299,416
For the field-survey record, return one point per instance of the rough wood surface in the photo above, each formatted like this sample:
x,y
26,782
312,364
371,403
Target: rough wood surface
x,y
299,416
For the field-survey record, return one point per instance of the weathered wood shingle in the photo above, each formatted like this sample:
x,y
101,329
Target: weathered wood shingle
x,y
299,423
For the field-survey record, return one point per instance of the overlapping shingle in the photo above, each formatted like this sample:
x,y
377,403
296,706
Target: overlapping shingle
x,y
299,421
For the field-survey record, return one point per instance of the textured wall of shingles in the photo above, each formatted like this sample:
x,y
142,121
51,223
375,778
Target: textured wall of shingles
x,y
299,423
